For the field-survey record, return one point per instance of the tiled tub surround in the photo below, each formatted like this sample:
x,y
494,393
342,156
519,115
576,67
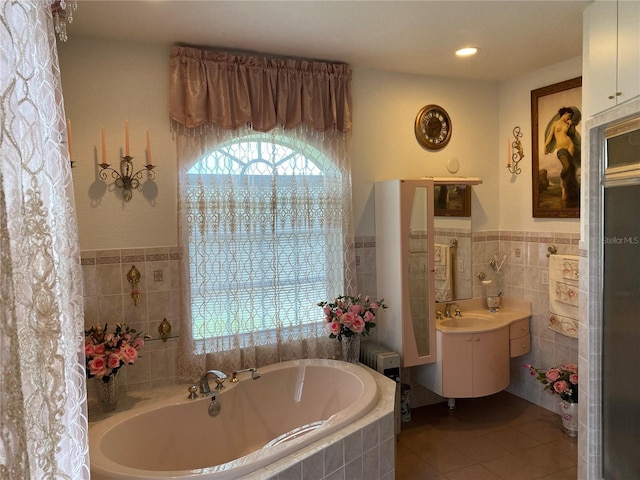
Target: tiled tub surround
x,y
363,449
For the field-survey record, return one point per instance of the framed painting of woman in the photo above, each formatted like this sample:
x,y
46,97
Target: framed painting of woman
x,y
556,113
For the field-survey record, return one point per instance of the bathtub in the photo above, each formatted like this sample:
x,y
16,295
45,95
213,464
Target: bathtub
x,y
261,421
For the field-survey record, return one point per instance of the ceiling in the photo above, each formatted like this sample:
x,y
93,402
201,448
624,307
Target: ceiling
x,y
419,37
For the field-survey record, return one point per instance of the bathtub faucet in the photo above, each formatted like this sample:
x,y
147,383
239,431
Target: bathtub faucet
x,y
254,374
204,382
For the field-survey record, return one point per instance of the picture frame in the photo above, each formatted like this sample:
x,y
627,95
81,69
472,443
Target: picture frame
x,y
452,200
556,113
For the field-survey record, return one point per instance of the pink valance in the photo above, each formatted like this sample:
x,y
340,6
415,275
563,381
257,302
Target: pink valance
x,y
231,91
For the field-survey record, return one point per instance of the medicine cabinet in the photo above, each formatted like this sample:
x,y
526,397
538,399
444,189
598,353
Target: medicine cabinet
x,y
405,268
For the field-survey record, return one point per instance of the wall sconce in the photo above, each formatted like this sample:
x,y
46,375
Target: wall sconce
x,y
134,278
126,178
164,329
515,152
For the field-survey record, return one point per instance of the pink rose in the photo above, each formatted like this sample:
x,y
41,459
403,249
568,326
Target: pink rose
x,y
553,374
374,306
347,319
138,343
560,386
335,327
108,337
128,353
526,365
358,325
89,349
98,367
571,367
100,349
368,316
573,378
327,310
113,361
356,309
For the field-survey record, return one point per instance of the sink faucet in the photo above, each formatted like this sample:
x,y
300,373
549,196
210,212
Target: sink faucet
x,y
204,382
447,310
254,374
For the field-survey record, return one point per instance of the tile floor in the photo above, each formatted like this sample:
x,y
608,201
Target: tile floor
x,y
500,437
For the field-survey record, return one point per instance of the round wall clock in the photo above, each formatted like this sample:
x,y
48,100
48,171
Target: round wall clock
x,y
433,127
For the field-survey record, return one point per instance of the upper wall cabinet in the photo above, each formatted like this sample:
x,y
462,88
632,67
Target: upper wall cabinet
x,y
612,41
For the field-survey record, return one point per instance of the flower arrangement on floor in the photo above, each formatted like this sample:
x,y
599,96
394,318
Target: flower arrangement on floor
x,y
347,316
106,352
561,380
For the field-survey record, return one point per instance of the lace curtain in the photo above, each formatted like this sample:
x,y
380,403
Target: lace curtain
x,y
230,224
43,418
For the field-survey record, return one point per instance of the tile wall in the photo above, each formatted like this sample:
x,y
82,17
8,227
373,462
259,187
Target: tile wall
x,y
524,275
108,299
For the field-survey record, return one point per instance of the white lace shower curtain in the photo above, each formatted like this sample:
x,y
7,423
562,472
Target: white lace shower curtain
x,y
43,418
216,99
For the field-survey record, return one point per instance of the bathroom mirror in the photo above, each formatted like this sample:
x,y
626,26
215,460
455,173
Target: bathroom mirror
x,y
452,240
452,200
453,258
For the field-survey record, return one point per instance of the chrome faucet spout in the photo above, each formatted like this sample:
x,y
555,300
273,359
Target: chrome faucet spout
x,y
447,310
254,374
204,382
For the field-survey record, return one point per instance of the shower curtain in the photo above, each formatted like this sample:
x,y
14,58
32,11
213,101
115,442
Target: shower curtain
x,y
43,418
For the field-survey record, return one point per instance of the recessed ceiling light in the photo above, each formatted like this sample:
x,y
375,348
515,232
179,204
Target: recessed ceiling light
x,y
467,51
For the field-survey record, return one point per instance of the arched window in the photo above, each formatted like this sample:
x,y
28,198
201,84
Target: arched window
x,y
265,239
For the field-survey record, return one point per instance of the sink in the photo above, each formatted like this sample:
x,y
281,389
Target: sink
x,y
466,322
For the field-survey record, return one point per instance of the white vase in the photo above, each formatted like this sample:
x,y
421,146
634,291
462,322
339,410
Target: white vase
x,y
569,414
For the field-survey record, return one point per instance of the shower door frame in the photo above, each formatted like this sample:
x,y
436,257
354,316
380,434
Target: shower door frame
x,y
590,443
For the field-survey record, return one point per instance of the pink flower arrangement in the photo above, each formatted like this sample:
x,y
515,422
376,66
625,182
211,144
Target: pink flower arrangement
x,y
347,316
106,352
562,380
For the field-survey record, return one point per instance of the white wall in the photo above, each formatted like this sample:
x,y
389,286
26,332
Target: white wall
x,y
515,109
384,146
105,82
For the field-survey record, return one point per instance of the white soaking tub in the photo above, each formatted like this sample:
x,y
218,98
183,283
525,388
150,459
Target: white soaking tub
x,y
260,421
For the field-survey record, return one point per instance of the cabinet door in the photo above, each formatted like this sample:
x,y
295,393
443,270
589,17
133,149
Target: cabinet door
x,y
600,25
490,362
418,301
628,50
457,365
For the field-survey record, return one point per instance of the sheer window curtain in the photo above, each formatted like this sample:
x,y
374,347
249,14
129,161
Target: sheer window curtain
x,y
217,98
43,418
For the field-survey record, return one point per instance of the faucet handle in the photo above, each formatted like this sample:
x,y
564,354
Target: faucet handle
x,y
438,315
193,389
220,382
458,312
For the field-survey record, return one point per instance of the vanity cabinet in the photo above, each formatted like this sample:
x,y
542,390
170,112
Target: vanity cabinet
x,y
474,364
612,54
405,268
519,338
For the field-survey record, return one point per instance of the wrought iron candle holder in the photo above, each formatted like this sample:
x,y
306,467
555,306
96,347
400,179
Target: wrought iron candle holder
x,y
125,178
516,153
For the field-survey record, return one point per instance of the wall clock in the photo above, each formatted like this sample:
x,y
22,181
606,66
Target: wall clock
x,y
433,127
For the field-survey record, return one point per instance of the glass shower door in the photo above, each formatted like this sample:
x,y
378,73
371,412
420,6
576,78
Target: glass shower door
x,y
621,322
